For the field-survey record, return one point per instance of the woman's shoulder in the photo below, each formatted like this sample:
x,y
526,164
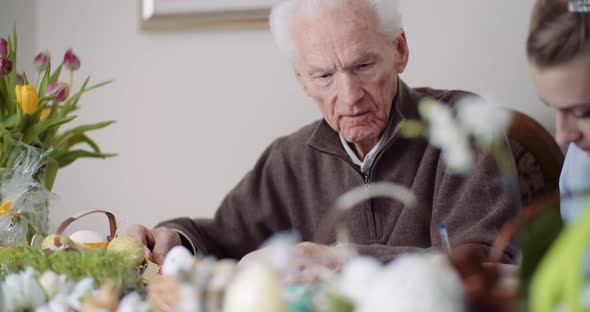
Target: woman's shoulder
x,y
575,174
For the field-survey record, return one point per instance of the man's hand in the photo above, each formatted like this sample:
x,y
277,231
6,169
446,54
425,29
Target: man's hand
x,y
305,265
157,242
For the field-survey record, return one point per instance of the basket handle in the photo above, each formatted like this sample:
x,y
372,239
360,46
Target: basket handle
x,y
62,228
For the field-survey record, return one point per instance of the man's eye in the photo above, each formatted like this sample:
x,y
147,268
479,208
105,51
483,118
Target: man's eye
x,y
362,67
324,76
582,114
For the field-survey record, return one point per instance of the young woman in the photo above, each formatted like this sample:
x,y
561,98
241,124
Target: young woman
x,y
558,50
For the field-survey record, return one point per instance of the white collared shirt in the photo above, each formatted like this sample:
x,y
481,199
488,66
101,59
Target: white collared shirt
x,y
366,164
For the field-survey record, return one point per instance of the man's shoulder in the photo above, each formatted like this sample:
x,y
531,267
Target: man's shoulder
x,y
411,97
298,139
292,148
447,96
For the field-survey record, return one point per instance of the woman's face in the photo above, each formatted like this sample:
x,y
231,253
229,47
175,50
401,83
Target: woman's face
x,y
566,88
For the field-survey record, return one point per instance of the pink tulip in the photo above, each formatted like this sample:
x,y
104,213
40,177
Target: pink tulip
x,y
42,61
20,80
59,90
5,66
71,60
3,47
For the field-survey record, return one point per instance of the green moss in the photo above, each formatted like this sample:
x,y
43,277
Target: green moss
x,y
76,265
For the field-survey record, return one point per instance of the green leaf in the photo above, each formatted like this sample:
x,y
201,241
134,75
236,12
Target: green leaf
x,y
4,98
10,83
14,39
50,173
44,82
535,239
47,136
3,130
65,143
70,104
426,106
412,129
82,138
55,76
61,140
6,140
43,103
19,117
98,85
84,128
39,128
79,94
2,104
12,91
70,156
25,78
10,122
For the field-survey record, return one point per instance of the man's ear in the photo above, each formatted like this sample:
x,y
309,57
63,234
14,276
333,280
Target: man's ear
x,y
403,53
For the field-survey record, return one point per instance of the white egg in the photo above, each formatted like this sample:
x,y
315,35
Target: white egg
x,y
88,237
177,259
418,283
256,288
356,275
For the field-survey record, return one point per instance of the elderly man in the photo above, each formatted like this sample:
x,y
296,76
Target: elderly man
x,y
347,55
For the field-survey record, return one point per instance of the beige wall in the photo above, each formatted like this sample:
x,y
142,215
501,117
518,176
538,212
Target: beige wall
x,y
25,22
194,110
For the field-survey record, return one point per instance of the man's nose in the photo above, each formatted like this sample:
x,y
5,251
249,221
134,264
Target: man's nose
x,y
566,130
350,91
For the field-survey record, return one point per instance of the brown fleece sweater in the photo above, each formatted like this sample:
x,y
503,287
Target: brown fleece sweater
x,y
299,177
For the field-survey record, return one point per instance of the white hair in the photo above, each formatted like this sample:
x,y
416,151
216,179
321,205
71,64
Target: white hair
x,y
281,17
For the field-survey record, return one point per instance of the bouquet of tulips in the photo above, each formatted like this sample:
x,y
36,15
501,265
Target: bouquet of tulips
x,y
32,112
32,147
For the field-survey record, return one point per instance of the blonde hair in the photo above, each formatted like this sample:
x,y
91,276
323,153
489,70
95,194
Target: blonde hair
x,y
557,35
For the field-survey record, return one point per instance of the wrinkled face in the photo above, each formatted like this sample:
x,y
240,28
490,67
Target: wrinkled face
x,y
349,68
566,88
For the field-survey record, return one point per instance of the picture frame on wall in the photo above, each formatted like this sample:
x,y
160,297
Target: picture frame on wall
x,y
175,15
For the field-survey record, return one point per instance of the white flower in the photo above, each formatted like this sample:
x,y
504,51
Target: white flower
x,y
459,157
22,291
189,300
133,303
53,284
178,259
82,289
485,121
447,134
58,304
356,275
417,283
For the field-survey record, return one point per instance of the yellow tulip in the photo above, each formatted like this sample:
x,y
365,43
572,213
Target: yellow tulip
x,y
45,113
27,99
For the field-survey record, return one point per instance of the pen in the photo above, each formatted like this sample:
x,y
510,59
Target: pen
x,y
444,237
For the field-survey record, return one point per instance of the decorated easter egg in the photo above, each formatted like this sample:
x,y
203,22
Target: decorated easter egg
x,y
129,247
49,242
89,239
